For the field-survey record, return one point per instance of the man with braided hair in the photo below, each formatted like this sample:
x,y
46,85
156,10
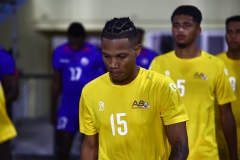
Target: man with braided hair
x,y
129,112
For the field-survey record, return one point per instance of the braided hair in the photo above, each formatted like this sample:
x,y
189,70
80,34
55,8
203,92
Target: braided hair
x,y
119,28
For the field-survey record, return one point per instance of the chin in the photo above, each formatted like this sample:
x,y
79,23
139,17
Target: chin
x,y
181,45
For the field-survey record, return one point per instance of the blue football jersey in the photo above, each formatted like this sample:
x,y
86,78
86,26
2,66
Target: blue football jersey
x,y
7,63
145,57
77,68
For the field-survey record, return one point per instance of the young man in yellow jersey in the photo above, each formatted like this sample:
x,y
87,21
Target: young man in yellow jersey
x,y
232,62
202,81
130,113
7,130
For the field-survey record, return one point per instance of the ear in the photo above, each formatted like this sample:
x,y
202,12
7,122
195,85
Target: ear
x,y
199,30
138,49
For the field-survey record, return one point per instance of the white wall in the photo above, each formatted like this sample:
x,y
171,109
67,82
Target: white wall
x,y
38,17
151,14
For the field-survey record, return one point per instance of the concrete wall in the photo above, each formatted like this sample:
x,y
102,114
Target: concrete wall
x,y
37,18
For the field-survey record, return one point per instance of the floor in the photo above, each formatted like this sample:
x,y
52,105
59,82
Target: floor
x,y
35,141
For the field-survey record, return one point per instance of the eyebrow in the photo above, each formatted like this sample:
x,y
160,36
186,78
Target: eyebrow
x,y
118,54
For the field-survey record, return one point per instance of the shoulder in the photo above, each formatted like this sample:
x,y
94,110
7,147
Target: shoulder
x,y
212,58
95,83
221,55
155,77
5,57
61,48
163,58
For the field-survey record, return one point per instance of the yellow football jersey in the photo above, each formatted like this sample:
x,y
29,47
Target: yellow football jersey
x,y
233,67
7,130
201,81
130,118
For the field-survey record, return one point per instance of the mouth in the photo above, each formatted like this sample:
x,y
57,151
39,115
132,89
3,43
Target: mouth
x,y
115,75
181,37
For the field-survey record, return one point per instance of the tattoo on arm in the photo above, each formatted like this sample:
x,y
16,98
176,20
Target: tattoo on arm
x,y
179,152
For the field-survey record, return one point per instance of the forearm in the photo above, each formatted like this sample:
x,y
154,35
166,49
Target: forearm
x,y
89,149
55,93
230,133
179,151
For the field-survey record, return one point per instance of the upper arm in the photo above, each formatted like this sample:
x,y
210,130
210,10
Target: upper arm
x,y
226,115
89,149
176,133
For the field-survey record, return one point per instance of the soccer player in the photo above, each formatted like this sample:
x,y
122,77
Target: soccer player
x,y
232,62
75,63
7,129
8,78
146,55
202,81
130,113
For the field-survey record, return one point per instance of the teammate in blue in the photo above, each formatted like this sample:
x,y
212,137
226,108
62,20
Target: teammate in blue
x,y
75,63
146,55
8,78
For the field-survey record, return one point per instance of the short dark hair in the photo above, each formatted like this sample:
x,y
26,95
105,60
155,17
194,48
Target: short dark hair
x,y
235,18
190,11
118,28
76,30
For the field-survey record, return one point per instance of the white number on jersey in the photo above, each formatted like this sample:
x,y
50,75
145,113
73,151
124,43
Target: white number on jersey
x,y
121,130
181,87
233,83
75,73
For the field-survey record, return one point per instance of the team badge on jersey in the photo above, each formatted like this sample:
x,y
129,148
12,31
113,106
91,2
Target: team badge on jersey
x,y
140,105
84,61
144,61
200,76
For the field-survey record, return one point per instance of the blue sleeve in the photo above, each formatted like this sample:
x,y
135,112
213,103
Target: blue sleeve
x,y
56,65
7,64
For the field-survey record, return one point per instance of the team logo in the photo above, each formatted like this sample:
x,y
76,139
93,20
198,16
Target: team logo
x,y
140,104
200,76
101,105
84,61
144,61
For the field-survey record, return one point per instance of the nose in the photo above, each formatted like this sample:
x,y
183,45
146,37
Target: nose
x,y
113,63
181,29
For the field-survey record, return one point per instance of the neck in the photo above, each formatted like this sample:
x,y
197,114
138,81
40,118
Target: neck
x,y
187,52
233,54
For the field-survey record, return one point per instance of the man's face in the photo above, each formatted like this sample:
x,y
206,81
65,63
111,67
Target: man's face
x,y
119,57
76,43
184,30
233,36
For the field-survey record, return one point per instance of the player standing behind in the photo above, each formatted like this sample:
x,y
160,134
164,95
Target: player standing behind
x,y
202,81
75,63
8,78
232,62
7,129
146,55
130,113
